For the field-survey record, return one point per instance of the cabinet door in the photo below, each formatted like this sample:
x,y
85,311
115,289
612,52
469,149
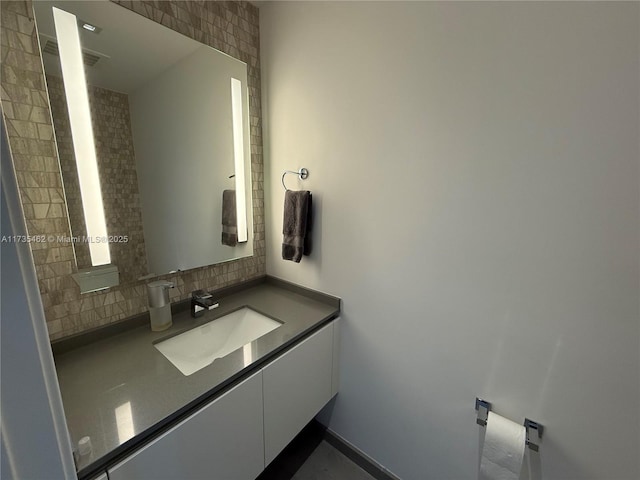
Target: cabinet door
x,y
296,386
223,440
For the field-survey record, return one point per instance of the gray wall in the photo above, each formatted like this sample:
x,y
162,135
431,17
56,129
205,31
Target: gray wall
x,y
475,172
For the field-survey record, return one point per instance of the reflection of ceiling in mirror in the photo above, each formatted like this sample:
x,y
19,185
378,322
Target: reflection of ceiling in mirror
x,y
121,43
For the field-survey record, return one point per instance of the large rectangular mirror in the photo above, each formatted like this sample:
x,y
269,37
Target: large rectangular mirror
x,y
171,133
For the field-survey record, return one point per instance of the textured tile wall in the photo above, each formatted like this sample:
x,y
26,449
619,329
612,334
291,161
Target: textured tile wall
x,y
118,176
231,27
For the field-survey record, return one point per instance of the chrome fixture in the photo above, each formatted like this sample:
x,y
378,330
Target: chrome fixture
x,y
200,302
483,407
530,426
302,174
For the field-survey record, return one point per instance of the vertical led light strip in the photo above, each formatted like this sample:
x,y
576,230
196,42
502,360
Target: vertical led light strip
x,y
82,132
238,154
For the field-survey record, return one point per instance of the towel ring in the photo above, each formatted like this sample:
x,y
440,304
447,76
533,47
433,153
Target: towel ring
x,y
302,174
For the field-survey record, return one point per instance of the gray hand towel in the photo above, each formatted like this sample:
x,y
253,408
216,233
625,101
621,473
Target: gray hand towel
x,y
296,225
229,222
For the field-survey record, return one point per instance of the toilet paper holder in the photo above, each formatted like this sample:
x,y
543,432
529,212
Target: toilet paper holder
x,y
533,429
531,426
483,407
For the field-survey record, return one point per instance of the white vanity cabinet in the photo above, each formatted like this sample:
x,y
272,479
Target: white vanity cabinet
x,y
296,386
239,433
222,440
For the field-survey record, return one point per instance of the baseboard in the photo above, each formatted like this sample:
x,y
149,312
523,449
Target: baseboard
x,y
358,457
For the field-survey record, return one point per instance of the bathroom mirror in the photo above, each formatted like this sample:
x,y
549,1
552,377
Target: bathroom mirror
x,y
171,133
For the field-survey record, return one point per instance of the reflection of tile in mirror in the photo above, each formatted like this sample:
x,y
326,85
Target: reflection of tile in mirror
x,y
118,176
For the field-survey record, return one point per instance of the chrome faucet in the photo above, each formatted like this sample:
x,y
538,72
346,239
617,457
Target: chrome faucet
x,y
202,301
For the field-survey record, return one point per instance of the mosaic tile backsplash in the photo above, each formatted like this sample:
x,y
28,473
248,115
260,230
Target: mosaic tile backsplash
x,y
231,27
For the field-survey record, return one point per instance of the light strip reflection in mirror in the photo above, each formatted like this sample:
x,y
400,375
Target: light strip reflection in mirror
x,y
247,354
238,154
124,422
82,132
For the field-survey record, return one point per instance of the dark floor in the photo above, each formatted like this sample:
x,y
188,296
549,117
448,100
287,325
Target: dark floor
x,y
310,457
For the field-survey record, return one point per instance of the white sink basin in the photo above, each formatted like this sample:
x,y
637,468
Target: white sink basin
x,y
199,347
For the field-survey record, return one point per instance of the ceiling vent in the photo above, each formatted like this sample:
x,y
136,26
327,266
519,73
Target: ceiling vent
x,y
89,58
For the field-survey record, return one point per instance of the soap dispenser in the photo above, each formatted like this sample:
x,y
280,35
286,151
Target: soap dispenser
x,y
159,304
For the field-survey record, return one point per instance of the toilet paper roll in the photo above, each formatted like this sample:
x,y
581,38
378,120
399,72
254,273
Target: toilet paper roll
x,y
503,449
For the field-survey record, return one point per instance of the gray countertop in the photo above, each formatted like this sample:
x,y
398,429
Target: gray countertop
x,y
121,390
